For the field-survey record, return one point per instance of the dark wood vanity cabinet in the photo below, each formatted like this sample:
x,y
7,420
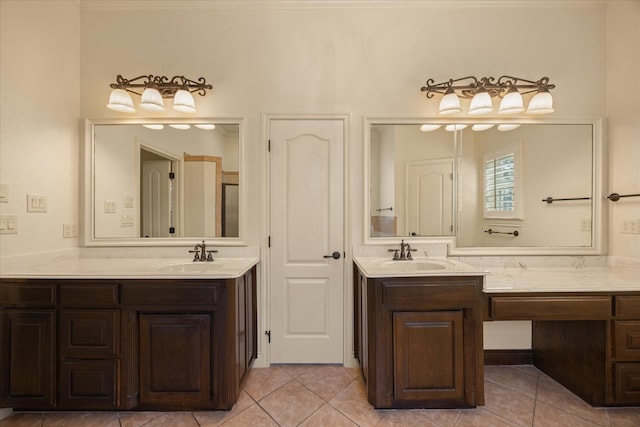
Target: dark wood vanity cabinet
x,y
419,340
125,344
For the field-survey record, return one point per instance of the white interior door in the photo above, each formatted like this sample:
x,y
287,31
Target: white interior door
x,y
155,215
306,226
429,199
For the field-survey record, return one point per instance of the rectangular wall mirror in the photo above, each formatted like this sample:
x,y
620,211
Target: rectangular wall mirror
x,y
525,187
153,183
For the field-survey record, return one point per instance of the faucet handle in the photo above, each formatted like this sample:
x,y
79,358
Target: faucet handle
x,y
395,255
209,252
195,253
409,250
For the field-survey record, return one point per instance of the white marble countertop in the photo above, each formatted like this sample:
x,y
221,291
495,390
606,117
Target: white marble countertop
x,y
563,279
72,267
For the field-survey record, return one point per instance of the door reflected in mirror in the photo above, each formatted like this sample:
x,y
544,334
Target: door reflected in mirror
x,y
411,183
163,183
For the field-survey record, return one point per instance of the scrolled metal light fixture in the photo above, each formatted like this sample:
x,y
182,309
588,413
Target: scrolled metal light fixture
x,y
153,89
481,91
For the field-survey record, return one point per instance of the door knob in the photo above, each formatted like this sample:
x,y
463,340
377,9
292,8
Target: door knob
x,y
334,255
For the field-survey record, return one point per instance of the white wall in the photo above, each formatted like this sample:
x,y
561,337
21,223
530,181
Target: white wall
x,y
39,120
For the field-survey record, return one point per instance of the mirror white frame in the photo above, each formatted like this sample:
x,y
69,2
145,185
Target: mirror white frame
x,y
88,186
597,212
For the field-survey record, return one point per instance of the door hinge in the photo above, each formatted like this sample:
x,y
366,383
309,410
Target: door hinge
x,y
269,145
269,242
268,334
172,175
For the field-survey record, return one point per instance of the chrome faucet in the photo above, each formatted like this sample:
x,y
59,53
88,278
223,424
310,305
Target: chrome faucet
x,y
405,252
201,253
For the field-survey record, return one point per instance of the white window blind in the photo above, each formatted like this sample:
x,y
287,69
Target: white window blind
x,y
501,184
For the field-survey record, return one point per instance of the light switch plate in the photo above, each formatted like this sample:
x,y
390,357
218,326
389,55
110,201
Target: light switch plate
x,y
8,224
4,192
36,203
69,230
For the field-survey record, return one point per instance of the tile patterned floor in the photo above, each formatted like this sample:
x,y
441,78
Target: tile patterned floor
x,y
316,395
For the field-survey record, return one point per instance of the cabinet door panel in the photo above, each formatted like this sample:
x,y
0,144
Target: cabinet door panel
x,y
27,358
627,340
175,358
627,382
88,384
428,356
89,334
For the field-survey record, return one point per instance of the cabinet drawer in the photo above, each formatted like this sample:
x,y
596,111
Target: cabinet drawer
x,y
627,383
627,340
628,306
89,333
550,308
27,294
430,295
88,295
170,294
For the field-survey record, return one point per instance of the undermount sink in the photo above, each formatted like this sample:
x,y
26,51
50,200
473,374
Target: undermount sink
x,y
409,265
199,267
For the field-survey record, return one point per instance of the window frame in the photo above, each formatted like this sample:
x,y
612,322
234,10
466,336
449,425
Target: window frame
x,y
517,212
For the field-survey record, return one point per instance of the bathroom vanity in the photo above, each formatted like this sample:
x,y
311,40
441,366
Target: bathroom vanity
x,y
171,341
418,333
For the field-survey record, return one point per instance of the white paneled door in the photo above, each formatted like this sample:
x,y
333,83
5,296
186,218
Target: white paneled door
x,y
429,200
307,240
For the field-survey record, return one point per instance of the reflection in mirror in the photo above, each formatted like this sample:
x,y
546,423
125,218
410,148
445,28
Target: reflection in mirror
x,y
506,177
411,181
166,182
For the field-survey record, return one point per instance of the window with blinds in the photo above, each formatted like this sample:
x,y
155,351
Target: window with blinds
x,y
501,183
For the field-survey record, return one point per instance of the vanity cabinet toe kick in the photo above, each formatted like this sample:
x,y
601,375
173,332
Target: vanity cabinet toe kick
x,y
142,344
587,341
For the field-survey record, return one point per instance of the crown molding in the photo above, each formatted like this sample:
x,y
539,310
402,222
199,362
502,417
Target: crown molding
x,y
325,4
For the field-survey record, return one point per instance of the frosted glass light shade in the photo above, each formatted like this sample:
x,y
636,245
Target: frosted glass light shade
x,y
449,104
429,127
478,127
511,103
181,126
206,126
507,127
541,103
480,104
152,100
454,127
154,126
183,101
121,101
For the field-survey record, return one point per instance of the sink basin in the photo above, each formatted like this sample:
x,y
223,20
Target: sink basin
x,y
414,265
213,267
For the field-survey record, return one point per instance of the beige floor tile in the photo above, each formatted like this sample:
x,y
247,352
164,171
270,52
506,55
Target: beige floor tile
x,y
262,381
408,418
81,419
509,404
624,417
550,416
513,377
174,419
253,416
554,394
216,418
352,402
291,404
23,420
327,415
326,382
481,418
137,419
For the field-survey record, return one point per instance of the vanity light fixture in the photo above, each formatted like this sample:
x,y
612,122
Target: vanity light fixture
x,y
180,126
206,126
154,90
481,92
427,127
153,126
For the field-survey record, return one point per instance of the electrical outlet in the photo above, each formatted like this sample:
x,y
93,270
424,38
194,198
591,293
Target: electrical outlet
x,y
36,203
69,230
585,225
126,220
631,226
8,224
127,202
